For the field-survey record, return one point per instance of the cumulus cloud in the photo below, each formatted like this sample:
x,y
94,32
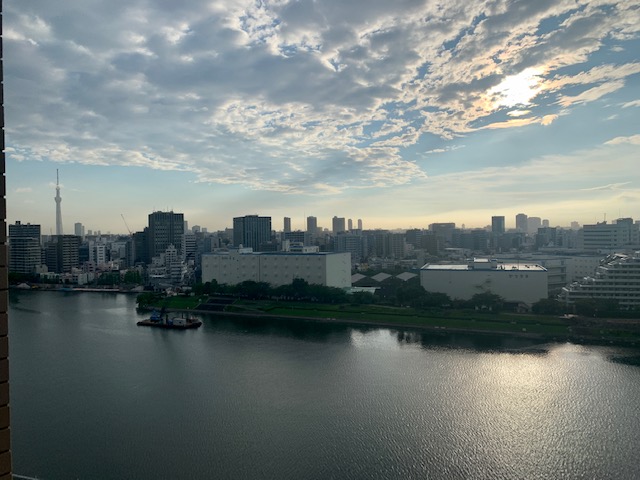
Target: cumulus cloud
x,y
295,96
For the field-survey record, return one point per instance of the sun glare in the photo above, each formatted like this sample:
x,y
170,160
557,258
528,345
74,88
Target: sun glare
x,y
517,89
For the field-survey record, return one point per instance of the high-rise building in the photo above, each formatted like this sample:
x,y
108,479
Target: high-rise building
x,y
609,236
312,225
522,224
287,224
5,437
78,229
545,223
443,230
251,231
350,225
58,200
533,224
338,225
165,228
497,224
62,253
25,252
348,242
360,224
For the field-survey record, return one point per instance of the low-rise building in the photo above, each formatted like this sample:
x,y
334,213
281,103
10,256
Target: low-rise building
x,y
515,282
277,268
617,278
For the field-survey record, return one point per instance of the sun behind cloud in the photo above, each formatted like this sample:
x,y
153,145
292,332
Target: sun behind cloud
x,y
519,89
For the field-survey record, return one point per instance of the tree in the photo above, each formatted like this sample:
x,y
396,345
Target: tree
x,y
486,301
132,277
548,306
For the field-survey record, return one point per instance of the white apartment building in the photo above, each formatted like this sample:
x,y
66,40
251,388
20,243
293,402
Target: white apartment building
x,y
617,278
515,282
610,236
277,268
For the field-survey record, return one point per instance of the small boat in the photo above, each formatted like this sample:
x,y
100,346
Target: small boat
x,y
160,320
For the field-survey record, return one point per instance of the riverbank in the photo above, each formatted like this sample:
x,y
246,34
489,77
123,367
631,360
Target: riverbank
x,y
548,328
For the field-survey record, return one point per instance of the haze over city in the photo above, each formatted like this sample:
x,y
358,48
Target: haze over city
x,y
399,113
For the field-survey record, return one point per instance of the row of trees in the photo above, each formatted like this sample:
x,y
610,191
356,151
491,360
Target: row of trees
x,y
409,294
397,293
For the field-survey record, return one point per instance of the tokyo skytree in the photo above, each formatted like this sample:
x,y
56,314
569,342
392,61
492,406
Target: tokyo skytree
x,y
58,202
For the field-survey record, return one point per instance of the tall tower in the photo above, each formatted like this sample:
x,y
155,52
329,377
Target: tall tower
x,y
58,209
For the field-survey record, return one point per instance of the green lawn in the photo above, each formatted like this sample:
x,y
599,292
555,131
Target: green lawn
x,y
455,319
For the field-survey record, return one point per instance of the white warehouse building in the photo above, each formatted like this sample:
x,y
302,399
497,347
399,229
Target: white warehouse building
x,y
515,282
277,268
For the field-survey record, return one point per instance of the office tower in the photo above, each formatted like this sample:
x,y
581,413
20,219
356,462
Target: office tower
x,y
338,224
189,244
533,224
165,228
5,437
58,200
24,248
522,224
545,223
497,224
350,225
348,242
287,224
78,229
312,225
360,224
251,231
443,230
607,236
62,253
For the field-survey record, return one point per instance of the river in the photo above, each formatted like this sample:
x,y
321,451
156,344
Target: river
x,y
93,396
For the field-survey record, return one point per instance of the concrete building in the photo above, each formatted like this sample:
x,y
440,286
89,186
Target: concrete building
x,y
188,246
251,231
277,268
338,225
522,224
616,278
497,224
517,283
533,224
312,225
25,251
165,228
78,230
610,236
444,231
62,253
303,238
348,242
287,224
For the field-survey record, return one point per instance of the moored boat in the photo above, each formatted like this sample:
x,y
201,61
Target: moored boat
x,y
159,320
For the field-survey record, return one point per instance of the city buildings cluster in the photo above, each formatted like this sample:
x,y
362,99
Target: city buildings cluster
x,y
531,261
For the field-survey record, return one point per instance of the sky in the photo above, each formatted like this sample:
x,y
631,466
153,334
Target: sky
x,y
400,113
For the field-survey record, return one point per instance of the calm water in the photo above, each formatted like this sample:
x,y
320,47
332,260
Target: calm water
x,y
93,396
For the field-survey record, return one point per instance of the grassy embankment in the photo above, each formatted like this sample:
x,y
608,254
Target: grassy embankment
x,y
547,326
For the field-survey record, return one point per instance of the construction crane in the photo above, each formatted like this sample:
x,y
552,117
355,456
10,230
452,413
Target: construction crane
x,y
125,224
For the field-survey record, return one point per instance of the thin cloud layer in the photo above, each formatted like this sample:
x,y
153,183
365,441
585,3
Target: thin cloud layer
x,y
312,97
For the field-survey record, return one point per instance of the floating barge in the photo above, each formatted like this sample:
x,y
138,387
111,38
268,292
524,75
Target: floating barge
x,y
158,320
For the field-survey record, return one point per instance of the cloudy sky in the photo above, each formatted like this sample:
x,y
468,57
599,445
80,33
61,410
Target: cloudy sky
x,y
402,113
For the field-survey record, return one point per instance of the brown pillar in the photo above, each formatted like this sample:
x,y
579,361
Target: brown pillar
x,y
5,444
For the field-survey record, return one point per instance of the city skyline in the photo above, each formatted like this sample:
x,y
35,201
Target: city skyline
x,y
399,114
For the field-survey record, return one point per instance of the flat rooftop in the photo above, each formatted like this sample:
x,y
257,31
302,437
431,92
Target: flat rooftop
x,y
501,267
